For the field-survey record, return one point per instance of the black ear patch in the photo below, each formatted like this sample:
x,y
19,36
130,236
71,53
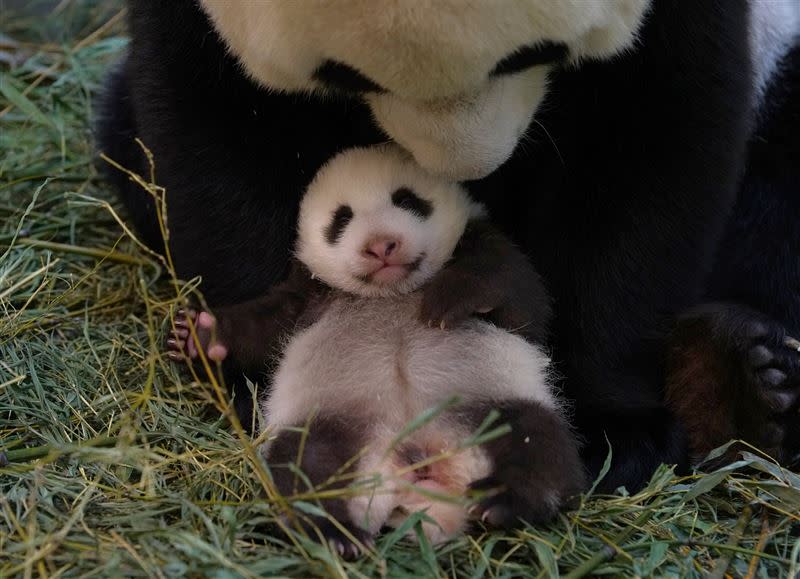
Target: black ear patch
x,y
341,76
406,199
527,56
341,217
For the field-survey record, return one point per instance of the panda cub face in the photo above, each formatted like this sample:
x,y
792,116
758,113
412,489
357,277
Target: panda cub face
x,y
373,223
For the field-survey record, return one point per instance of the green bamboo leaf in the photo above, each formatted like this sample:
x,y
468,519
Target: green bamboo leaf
x,y
23,103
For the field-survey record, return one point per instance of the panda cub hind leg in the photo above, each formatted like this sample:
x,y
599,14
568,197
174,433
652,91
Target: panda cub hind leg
x,y
324,452
536,467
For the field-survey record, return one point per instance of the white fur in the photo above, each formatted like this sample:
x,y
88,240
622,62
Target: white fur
x,y
433,57
365,179
373,357
369,356
395,497
467,136
774,29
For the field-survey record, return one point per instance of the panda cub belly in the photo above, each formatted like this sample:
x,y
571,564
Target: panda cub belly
x,y
374,355
372,358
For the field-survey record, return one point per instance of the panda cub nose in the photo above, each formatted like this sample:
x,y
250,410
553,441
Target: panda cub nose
x,y
381,247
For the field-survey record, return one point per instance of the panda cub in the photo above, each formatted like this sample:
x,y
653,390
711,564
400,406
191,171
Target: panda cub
x,y
359,358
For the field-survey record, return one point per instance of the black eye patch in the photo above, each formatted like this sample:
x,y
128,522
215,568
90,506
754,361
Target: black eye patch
x,y
341,217
341,76
406,199
527,56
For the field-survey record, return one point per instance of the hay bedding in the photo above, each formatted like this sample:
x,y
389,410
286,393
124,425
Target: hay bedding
x,y
121,464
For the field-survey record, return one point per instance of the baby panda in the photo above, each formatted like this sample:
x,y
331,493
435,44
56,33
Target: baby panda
x,y
369,332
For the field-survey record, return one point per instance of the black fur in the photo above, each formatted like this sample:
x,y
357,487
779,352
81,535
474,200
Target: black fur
x,y
489,274
734,373
406,199
329,444
621,193
536,466
729,357
341,217
528,56
343,77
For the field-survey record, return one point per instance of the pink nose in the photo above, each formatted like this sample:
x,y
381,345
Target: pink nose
x,y
381,247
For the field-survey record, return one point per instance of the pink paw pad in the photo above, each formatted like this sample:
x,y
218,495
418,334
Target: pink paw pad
x,y
182,347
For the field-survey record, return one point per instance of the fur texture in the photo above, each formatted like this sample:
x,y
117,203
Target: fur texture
x,y
435,94
626,188
362,181
368,357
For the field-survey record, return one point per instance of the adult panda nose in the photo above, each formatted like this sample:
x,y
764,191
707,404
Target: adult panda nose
x,y
381,248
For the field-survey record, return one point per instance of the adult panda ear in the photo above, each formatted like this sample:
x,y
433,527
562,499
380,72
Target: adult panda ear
x,y
532,55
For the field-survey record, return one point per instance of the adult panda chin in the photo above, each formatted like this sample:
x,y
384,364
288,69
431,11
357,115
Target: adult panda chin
x,y
624,145
456,84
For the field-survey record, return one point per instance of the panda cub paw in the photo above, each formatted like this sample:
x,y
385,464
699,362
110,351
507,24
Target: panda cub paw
x,y
182,346
507,503
537,468
342,542
454,295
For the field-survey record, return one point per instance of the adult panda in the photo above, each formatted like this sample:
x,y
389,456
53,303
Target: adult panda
x,y
644,154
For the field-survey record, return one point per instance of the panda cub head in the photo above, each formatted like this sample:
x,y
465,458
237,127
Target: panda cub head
x,y
374,224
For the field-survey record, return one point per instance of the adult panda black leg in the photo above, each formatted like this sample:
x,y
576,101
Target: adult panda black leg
x,y
735,373
116,133
734,362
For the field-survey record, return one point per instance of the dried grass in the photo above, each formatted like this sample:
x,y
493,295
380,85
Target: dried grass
x,y
124,465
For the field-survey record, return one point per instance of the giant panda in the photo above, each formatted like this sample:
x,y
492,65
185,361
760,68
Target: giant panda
x,y
358,362
644,154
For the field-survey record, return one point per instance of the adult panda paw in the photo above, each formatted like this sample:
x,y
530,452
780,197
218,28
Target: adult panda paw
x,y
734,373
182,346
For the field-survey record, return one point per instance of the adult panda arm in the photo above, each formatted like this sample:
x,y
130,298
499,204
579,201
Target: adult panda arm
x,y
489,275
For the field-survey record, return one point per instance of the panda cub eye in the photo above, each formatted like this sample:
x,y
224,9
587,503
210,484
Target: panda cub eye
x,y
341,217
406,199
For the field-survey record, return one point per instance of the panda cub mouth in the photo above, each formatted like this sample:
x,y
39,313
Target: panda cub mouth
x,y
390,273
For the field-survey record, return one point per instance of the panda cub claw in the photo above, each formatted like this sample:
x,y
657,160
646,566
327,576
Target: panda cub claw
x,y
181,345
340,543
452,296
507,505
